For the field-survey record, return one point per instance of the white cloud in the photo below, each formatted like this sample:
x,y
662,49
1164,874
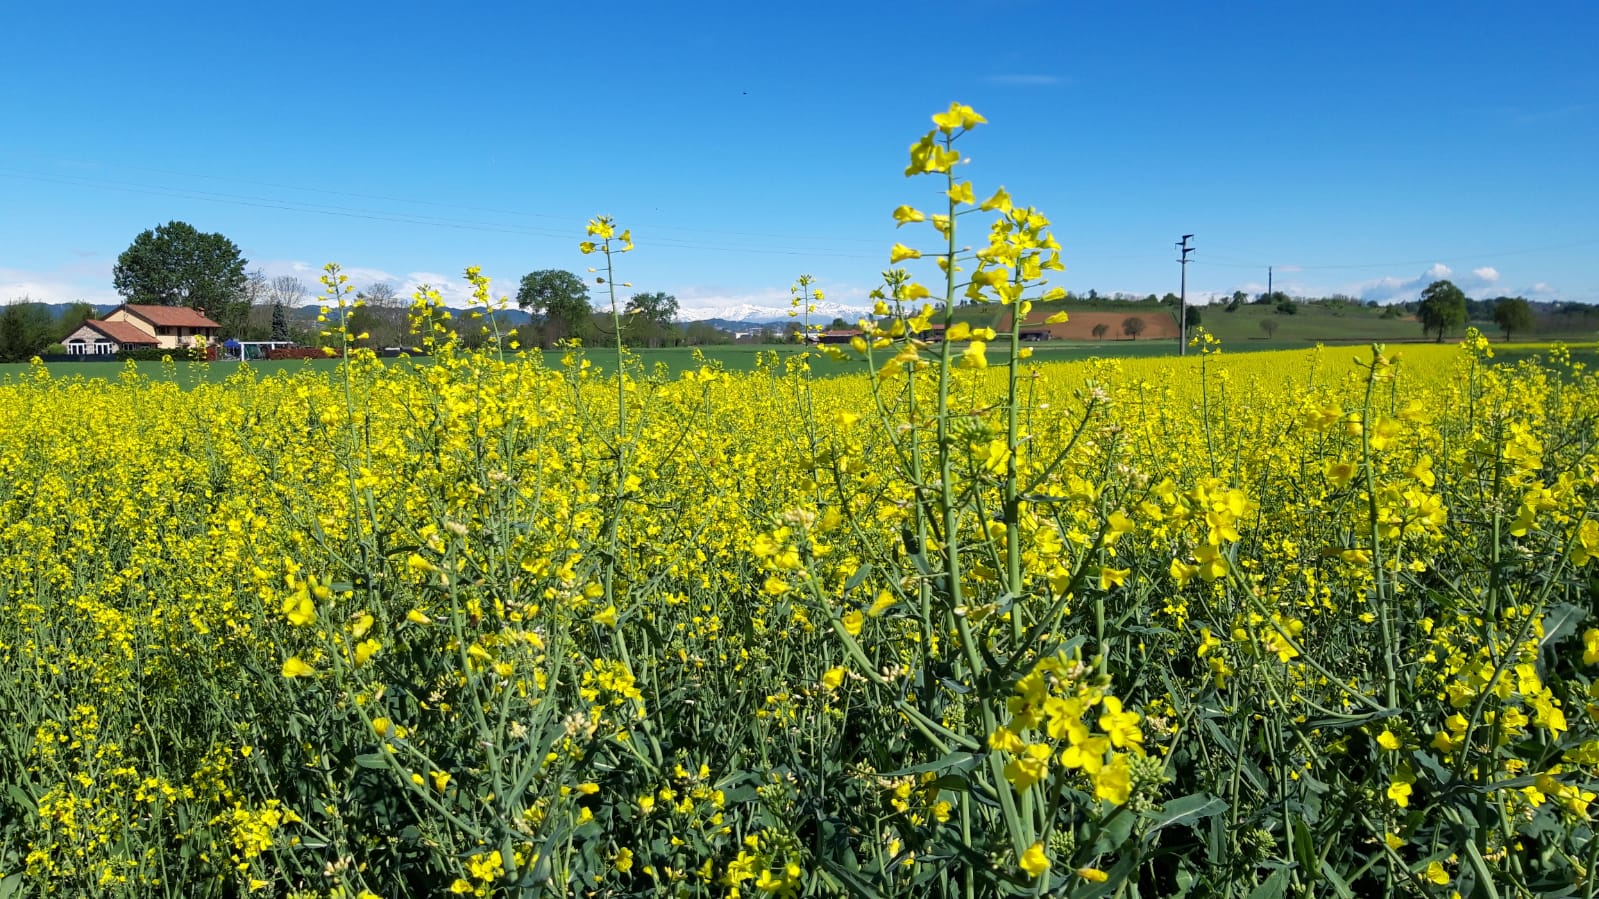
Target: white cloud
x,y
1394,289
455,289
87,281
697,302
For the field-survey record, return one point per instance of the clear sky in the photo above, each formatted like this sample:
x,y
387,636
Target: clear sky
x,y
1361,148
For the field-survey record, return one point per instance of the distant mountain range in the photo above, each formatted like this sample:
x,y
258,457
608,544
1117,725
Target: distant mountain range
x,y
746,314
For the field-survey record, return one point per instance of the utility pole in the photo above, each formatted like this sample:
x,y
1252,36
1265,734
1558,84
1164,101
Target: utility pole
x,y
1182,302
1268,284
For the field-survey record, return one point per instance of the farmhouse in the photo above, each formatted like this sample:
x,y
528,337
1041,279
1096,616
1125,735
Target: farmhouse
x,y
131,326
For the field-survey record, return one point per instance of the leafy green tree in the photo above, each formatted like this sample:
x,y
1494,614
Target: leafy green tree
x,y
26,328
560,298
72,318
1443,306
176,265
651,316
1512,314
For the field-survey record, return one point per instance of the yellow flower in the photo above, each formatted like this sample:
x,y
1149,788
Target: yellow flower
x,y
1120,726
833,678
1056,319
299,608
365,650
1034,861
606,617
1000,200
974,356
1389,741
1436,873
1092,875
294,667
905,215
958,116
1399,791
900,252
852,622
1114,782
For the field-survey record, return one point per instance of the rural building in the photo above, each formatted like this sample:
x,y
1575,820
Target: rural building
x,y
131,327
101,338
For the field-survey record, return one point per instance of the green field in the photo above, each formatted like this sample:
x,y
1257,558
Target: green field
x,y
1238,331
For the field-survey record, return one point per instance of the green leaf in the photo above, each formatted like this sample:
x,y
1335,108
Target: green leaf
x,y
857,885
1184,810
372,760
1114,831
10,885
21,797
1275,887
1335,880
860,575
1118,876
959,760
1561,621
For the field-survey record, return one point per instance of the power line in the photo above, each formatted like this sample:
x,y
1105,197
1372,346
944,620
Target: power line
x,y
434,204
401,218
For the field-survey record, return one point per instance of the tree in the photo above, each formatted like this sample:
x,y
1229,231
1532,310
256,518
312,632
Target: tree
x,y
234,314
1193,316
1100,330
1443,306
287,291
176,265
650,315
26,328
382,316
1286,306
72,318
280,322
560,298
1269,325
1133,326
1512,314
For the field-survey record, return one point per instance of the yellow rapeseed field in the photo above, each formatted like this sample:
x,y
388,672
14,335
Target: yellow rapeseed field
x,y
1294,623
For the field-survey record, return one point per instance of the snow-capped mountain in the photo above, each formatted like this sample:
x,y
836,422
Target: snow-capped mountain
x,y
749,312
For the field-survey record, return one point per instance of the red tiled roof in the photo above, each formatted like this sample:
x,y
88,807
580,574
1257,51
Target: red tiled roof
x,y
171,316
122,332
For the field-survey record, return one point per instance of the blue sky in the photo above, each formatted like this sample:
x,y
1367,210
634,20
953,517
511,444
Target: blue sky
x,y
1361,148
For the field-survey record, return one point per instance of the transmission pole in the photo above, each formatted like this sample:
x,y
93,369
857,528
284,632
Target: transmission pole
x,y
1182,300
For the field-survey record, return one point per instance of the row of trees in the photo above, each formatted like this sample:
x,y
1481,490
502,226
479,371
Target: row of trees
x,y
559,302
177,265
1444,307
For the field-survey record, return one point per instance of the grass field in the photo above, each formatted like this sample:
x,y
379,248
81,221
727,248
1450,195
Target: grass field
x,y
746,357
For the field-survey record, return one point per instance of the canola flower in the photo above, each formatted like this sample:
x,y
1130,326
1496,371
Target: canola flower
x,y
476,626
